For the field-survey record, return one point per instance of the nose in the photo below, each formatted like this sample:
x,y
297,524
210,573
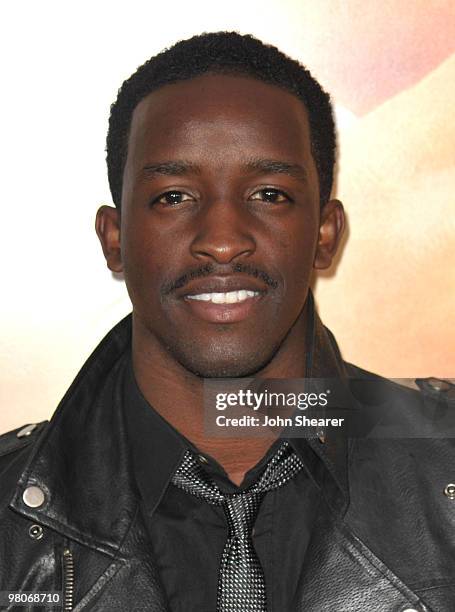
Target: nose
x,y
224,232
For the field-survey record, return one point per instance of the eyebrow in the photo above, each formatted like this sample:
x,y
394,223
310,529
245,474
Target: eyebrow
x,y
170,168
256,165
275,166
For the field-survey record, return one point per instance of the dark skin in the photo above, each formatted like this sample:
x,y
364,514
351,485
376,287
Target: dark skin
x,y
220,193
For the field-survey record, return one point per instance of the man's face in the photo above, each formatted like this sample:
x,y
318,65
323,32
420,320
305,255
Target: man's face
x,y
220,222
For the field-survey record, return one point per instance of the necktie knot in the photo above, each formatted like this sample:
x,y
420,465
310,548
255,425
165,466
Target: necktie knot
x,y
241,511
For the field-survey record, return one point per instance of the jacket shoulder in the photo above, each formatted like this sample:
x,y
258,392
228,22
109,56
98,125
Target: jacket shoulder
x,y
15,448
392,409
431,387
20,437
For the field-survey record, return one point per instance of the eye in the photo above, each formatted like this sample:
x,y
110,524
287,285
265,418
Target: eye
x,y
275,196
172,198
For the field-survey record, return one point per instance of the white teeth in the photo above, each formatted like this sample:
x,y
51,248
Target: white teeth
x,y
218,298
231,297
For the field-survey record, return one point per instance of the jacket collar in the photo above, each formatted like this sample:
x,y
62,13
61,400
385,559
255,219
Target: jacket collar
x,y
327,457
82,461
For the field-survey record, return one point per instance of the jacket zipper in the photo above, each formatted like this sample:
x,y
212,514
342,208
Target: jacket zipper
x,y
68,580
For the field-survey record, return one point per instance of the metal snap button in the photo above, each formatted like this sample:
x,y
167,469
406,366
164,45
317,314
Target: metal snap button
x,y
27,430
36,532
438,384
449,491
33,497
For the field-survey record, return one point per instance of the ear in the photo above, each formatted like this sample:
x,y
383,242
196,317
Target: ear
x,y
330,232
107,226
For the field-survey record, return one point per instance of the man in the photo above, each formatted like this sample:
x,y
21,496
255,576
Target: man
x,y
220,157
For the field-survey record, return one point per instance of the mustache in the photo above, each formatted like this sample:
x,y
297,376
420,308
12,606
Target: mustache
x,y
211,270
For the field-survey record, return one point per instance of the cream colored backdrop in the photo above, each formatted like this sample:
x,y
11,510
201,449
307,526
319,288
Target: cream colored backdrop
x,y
390,67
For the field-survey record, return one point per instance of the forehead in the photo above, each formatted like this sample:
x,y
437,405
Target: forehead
x,y
216,117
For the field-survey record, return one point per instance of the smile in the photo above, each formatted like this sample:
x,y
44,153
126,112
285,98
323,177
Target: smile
x,y
224,307
229,297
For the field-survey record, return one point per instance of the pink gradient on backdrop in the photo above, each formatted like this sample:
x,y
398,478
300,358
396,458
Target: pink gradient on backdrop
x,y
367,52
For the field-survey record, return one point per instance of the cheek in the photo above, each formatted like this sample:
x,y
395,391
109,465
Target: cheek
x,y
152,258
143,259
295,252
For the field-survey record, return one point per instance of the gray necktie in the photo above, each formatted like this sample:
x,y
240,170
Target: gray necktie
x,y
241,583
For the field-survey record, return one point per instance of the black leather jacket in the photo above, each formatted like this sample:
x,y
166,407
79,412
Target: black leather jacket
x,y
384,540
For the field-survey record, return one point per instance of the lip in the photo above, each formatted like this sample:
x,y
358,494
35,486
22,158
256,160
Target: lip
x,y
223,313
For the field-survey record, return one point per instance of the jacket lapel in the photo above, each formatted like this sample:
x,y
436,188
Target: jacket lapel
x,y
342,574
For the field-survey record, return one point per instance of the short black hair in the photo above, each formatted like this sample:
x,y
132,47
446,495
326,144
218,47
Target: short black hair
x,y
223,53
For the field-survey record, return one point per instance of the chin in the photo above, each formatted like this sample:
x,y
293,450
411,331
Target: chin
x,y
224,363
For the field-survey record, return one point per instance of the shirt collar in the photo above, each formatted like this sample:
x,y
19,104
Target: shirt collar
x,y
157,448
155,442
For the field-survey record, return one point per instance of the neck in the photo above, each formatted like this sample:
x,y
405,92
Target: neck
x,y
177,395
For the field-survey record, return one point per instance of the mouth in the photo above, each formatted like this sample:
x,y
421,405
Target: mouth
x,y
224,307
223,298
